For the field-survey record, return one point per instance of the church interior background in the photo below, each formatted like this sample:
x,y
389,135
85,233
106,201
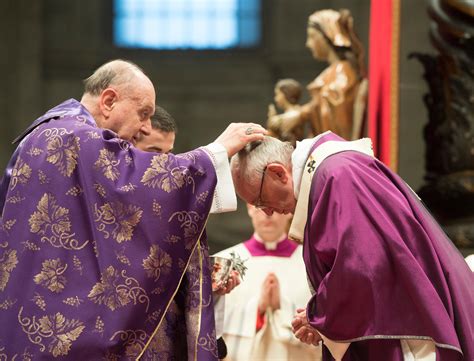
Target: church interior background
x,y
49,46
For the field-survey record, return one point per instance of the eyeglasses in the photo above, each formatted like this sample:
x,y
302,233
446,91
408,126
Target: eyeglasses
x,y
259,204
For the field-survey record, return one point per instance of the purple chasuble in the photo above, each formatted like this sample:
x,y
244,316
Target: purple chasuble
x,y
102,245
284,248
382,268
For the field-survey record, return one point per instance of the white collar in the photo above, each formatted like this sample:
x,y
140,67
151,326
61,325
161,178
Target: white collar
x,y
270,246
299,157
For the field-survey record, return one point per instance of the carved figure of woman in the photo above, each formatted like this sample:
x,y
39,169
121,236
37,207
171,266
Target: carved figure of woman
x,y
338,94
287,126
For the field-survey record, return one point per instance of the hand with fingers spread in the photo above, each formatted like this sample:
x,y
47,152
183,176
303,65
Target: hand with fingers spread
x,y
237,135
303,330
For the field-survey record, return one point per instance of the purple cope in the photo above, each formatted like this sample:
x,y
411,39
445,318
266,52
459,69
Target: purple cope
x,y
103,253
381,267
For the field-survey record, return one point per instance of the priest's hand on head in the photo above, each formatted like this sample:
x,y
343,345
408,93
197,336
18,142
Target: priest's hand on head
x,y
303,330
237,135
269,294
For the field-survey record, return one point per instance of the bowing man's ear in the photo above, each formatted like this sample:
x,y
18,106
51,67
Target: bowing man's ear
x,y
108,98
278,172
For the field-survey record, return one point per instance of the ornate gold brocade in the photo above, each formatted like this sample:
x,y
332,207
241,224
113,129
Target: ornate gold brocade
x,y
117,290
133,340
189,221
34,151
59,331
107,163
157,263
52,223
7,304
21,173
162,175
39,301
52,275
43,178
8,262
117,219
62,152
74,191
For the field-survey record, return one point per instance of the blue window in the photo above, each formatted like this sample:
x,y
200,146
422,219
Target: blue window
x,y
187,24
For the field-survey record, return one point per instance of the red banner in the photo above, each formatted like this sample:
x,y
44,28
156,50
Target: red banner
x,y
384,79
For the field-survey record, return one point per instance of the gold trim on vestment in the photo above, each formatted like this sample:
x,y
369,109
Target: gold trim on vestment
x,y
174,293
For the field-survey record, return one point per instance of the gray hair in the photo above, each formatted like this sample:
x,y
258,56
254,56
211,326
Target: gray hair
x,y
254,157
114,73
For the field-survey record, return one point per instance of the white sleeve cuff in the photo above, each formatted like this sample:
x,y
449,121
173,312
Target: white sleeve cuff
x,y
224,199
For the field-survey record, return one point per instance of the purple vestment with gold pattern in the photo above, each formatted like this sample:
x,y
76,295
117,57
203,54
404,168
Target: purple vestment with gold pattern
x,y
381,267
102,251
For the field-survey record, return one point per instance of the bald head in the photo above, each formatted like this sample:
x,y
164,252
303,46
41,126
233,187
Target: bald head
x,y
115,73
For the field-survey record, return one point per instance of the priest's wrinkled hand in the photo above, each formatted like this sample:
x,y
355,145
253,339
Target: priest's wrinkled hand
x,y
269,294
232,282
303,330
237,135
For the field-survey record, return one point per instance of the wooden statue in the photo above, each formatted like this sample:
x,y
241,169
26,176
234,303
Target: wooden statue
x,y
338,94
289,125
449,134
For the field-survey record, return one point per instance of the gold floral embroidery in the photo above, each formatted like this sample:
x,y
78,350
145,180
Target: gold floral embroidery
x,y
117,290
73,301
99,188
8,262
201,198
128,188
172,239
134,341
16,198
7,304
99,326
209,343
157,263
6,226
39,301
92,135
153,317
52,222
156,208
108,163
117,219
59,331
122,258
62,152
21,173
51,275
34,151
128,160
30,246
77,264
74,191
43,178
189,221
162,175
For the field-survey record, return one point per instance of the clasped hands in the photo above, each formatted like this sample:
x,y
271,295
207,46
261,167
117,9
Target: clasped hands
x,y
270,294
303,330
